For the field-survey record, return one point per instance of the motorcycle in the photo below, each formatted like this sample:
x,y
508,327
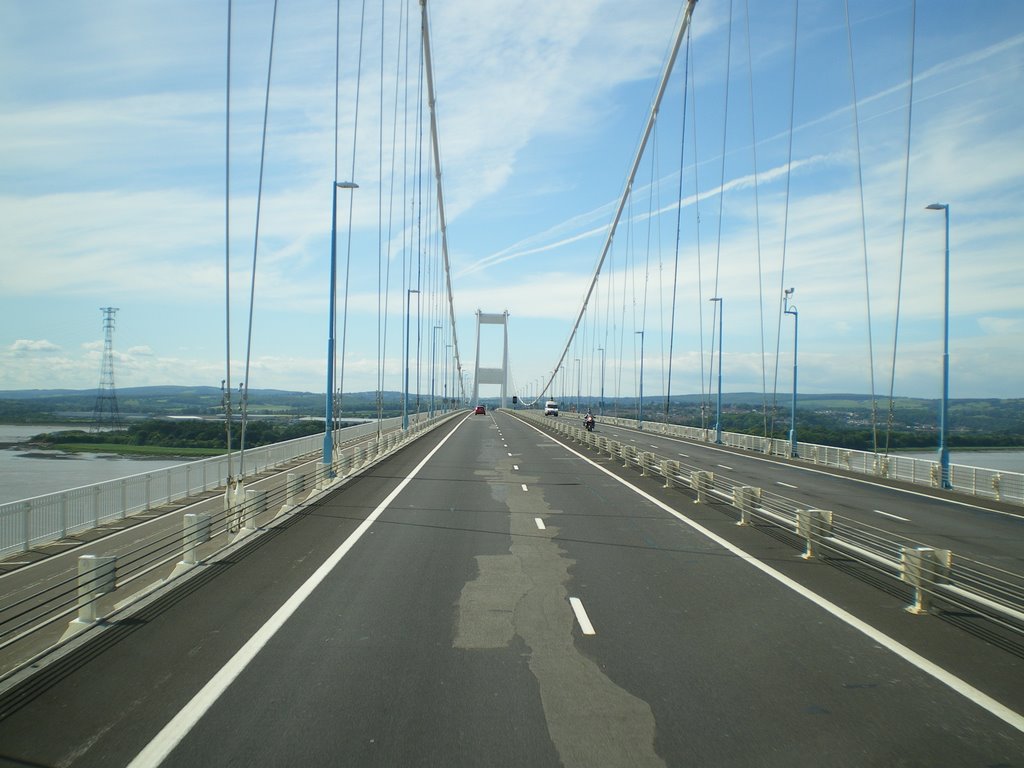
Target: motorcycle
x,y
588,423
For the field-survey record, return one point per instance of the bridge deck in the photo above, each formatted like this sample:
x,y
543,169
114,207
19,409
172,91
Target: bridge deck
x,y
440,631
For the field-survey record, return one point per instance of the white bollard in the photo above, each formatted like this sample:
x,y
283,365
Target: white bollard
x,y
745,498
296,484
196,531
255,504
923,568
96,577
812,525
701,481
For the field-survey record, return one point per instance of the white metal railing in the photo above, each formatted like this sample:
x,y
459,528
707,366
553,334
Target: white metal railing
x,y
976,481
35,521
106,582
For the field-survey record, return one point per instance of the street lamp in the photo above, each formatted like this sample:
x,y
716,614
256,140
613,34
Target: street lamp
x,y
791,310
331,301
944,411
718,409
405,395
601,409
640,404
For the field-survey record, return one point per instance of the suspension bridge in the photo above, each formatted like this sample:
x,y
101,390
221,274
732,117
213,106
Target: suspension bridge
x,y
451,587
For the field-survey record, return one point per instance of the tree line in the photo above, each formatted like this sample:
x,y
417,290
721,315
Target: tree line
x,y
187,434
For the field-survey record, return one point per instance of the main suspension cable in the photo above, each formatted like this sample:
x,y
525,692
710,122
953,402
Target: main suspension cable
x,y
226,384
785,219
757,222
256,243
903,229
863,230
652,116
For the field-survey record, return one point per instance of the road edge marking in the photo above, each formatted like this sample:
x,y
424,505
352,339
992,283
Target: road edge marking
x,y
161,746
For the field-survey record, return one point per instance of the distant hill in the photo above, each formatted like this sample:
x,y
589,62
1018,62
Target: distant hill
x,y
832,419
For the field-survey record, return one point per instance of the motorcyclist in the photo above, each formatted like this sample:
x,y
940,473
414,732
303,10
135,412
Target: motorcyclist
x,y
588,421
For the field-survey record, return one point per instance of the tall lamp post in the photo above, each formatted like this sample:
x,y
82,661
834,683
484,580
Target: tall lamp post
x,y
791,310
640,404
331,301
405,394
718,408
601,404
944,411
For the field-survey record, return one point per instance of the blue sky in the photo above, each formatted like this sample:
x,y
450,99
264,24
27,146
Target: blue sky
x,y
112,192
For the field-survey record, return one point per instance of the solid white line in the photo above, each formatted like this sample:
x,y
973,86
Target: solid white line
x,y
540,523
784,485
525,488
945,677
894,517
581,616
171,735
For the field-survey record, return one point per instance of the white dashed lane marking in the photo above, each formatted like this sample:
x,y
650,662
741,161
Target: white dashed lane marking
x,y
581,616
894,517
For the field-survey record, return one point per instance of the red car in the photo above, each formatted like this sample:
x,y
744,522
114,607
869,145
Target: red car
x,y
479,409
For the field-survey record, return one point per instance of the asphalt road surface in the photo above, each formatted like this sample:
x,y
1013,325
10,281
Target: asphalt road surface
x,y
488,597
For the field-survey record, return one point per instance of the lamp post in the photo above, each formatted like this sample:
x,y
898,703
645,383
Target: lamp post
x,y
718,408
331,301
601,404
405,394
790,309
944,410
640,404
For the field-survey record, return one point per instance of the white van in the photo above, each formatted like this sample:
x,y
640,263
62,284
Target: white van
x,y
550,408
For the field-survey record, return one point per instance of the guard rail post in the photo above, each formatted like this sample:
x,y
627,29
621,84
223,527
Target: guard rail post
x,y
922,568
701,481
644,459
255,504
669,468
196,531
812,525
628,452
96,577
745,498
296,484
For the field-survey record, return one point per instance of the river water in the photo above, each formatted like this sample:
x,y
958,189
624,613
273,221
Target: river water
x,y
28,472
25,473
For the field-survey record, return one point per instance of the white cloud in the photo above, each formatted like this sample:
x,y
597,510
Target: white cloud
x,y
29,346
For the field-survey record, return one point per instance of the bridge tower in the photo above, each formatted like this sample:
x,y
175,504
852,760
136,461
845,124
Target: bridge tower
x,y
491,375
105,412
